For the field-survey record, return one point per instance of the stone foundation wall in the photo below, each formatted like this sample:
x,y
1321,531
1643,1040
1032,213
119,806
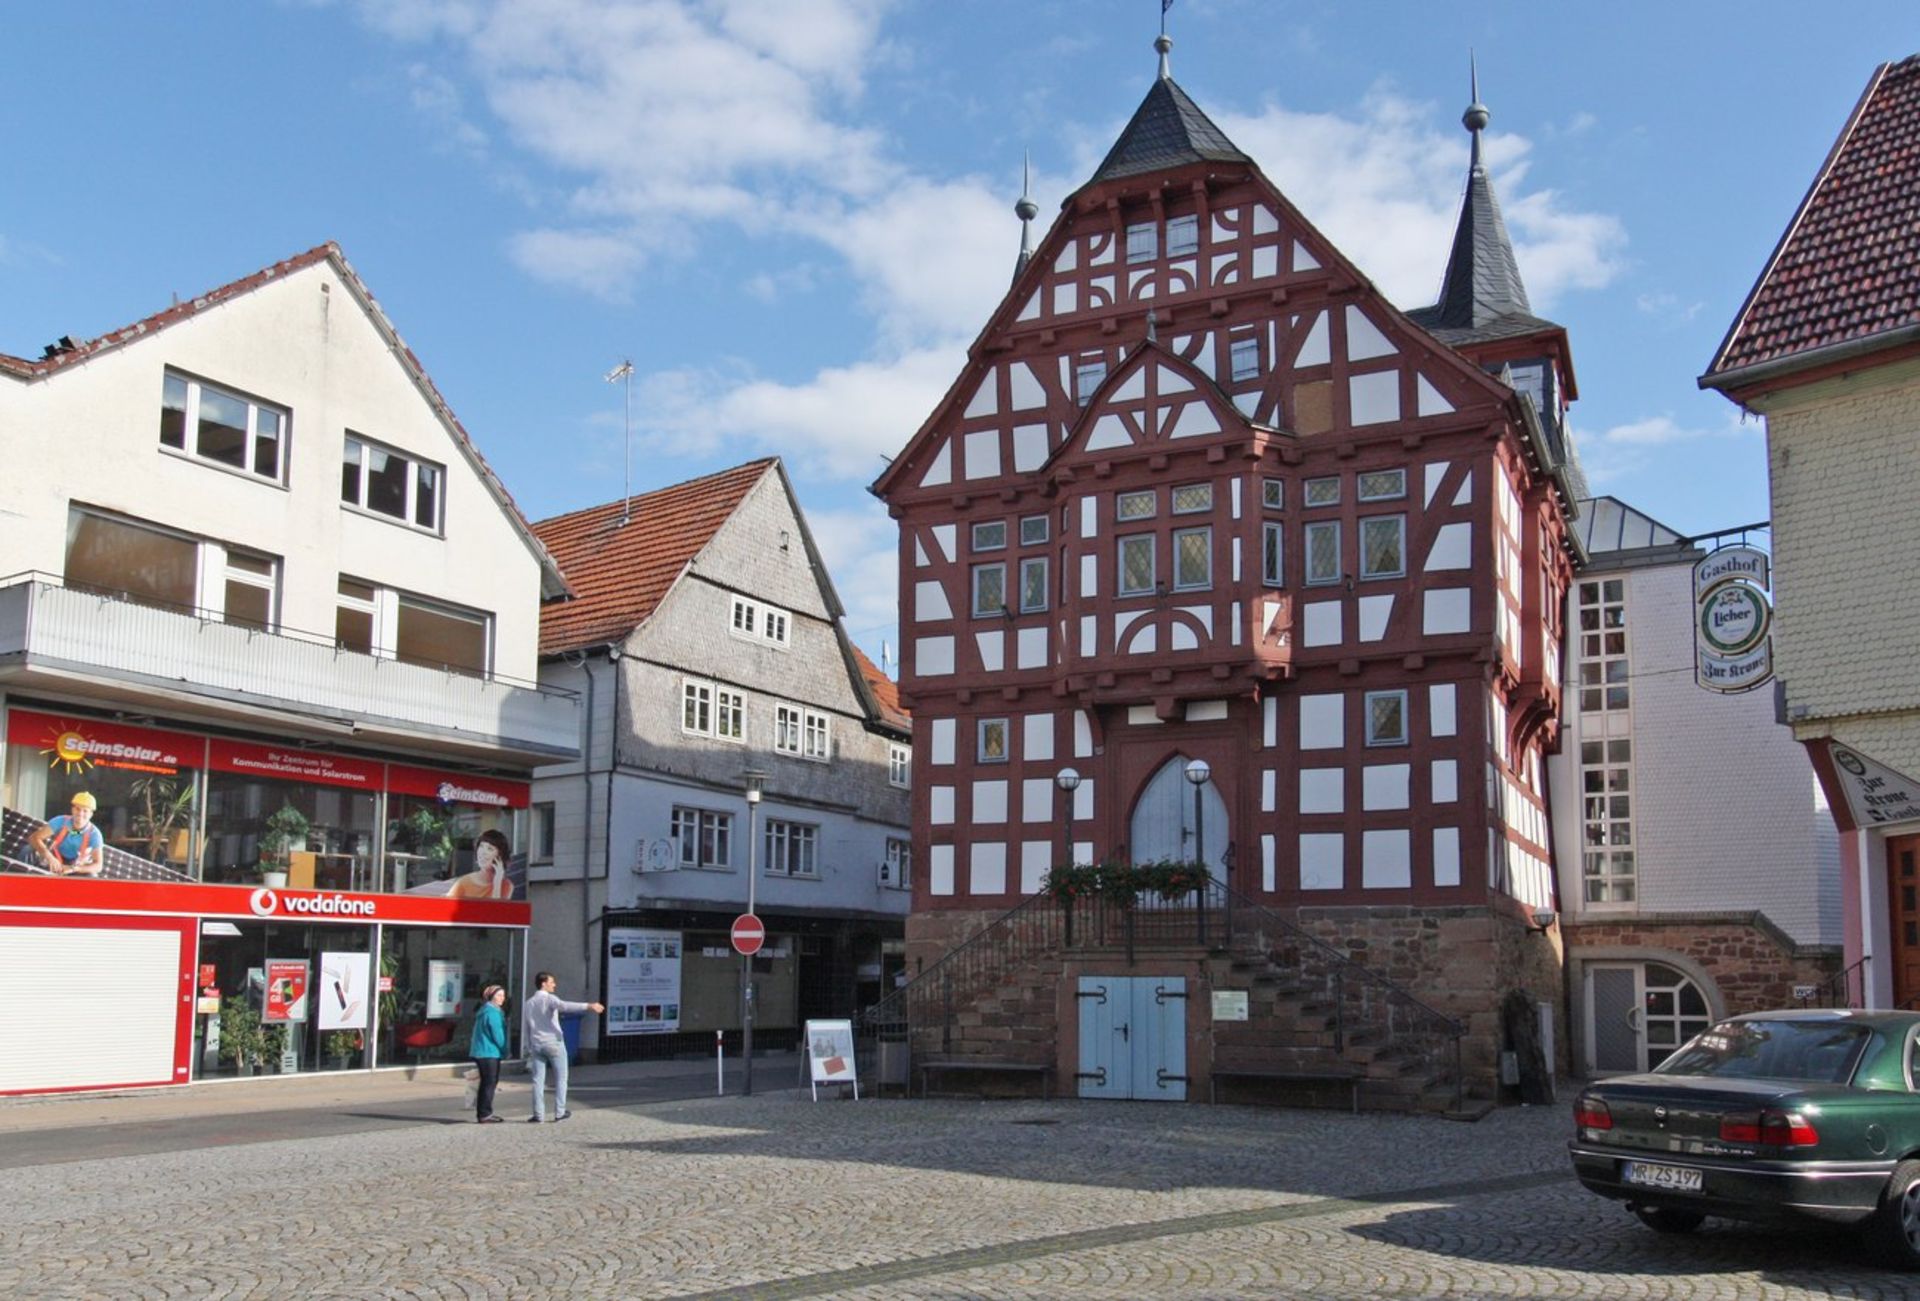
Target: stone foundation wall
x,y
1751,964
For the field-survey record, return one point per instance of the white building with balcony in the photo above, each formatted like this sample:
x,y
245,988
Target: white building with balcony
x,y
267,605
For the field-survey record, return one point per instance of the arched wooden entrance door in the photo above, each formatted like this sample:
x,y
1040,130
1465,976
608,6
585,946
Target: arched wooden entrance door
x,y
1163,819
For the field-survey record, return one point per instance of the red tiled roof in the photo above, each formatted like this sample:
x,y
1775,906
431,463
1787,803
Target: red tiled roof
x,y
83,350
886,692
619,573
1848,266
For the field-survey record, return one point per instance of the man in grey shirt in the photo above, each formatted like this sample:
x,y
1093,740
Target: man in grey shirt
x,y
546,1048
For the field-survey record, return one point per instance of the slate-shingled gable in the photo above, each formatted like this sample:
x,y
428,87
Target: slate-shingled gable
x,y
1848,267
1167,130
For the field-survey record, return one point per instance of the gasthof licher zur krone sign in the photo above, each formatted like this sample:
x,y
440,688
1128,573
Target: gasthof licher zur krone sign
x,y
1732,620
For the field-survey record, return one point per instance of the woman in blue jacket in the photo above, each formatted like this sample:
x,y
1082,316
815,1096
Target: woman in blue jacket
x,y
488,1047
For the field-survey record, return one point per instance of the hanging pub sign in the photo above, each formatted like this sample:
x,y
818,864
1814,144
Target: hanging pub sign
x,y
1733,620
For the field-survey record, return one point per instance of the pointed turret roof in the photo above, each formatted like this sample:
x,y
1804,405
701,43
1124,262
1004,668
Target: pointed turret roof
x,y
1482,296
1167,130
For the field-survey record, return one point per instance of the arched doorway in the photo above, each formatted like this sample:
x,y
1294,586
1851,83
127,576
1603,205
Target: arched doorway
x,y
1163,819
1638,1013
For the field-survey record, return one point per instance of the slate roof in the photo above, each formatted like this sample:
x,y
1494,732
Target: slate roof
x,y
69,353
1848,266
620,573
1607,524
1167,130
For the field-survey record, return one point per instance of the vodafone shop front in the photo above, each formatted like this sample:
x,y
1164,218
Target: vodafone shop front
x,y
236,910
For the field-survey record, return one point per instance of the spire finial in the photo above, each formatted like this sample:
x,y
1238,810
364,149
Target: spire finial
x,y
1025,209
1476,117
1164,43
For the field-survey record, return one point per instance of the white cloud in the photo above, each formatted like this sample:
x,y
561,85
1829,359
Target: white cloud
x,y
1623,450
840,423
600,263
861,550
438,100
1384,185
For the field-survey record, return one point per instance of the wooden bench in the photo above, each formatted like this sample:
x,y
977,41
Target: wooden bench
x,y
1275,1075
986,1065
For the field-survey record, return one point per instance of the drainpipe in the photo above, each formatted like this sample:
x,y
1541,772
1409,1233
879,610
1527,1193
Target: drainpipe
x,y
586,775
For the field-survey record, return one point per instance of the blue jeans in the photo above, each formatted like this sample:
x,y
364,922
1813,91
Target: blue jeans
x,y
541,1057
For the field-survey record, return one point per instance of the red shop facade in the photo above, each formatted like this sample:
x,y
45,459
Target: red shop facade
x,y
178,906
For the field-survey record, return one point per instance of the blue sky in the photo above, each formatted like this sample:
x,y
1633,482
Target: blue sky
x,y
794,214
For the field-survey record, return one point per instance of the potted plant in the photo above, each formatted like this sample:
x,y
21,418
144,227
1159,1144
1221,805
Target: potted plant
x,y
286,827
166,809
340,1046
243,1041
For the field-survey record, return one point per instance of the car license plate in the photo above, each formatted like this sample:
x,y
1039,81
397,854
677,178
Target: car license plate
x,y
1669,1178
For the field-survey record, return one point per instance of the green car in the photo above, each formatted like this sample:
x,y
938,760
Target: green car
x,y
1779,1116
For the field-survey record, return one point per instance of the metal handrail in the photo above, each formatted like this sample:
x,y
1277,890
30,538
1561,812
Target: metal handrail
x,y
1838,991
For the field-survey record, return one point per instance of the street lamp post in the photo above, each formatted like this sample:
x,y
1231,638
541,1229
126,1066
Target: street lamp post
x,y
755,780
1197,773
1068,780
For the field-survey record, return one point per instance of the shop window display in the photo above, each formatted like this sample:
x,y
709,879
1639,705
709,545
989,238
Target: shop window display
x,y
321,837
467,851
281,998
436,974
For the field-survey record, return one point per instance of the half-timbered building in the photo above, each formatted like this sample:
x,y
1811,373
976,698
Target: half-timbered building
x,y
1201,492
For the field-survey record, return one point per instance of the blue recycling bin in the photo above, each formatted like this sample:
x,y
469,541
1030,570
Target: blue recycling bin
x,y
570,1031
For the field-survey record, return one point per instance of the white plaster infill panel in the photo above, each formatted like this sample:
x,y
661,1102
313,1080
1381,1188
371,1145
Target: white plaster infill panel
x,y
1364,340
1323,722
992,650
1036,860
930,603
940,469
1446,856
1026,390
1446,610
983,454
1375,612
933,656
1322,860
1440,709
1436,473
1384,786
1446,781
1452,547
1314,349
1267,848
987,868
1036,799
989,802
1323,790
986,397
1374,397
1206,711
1037,737
940,806
1430,400
940,869
1031,648
1386,860
945,536
1320,623
941,749
1029,446
1108,431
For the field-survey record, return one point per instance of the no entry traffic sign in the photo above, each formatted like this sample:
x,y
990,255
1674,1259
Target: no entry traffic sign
x,y
749,933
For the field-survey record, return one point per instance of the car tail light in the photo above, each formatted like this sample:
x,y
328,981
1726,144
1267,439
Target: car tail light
x,y
1769,1128
1591,1113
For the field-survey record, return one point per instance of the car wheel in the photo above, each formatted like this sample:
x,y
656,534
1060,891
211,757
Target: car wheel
x,y
1896,1225
1662,1219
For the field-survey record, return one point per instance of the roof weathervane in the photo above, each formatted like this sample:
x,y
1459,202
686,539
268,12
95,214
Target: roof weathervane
x,y
1164,43
1026,209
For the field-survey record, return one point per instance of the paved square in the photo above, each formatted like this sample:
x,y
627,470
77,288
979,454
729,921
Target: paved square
x,y
779,1197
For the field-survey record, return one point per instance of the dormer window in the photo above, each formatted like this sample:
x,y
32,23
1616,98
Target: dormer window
x,y
1143,242
1183,236
1244,357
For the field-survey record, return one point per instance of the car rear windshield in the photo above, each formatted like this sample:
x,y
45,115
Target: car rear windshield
x,y
1817,1052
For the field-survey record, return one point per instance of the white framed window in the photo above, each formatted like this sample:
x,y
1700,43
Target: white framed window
x,y
1606,798
1243,356
1191,499
1192,559
396,485
729,715
1273,494
1383,546
896,868
1322,492
989,590
150,565
1137,575
1272,555
1135,505
787,723
899,766
1381,485
791,848
757,621
216,425
816,737
993,740
1033,531
1386,717
1323,552
696,707
540,820
1088,376
990,535
1603,646
1143,242
1183,235
703,838
1033,584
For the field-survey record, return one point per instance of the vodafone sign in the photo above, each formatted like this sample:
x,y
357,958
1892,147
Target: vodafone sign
x,y
272,903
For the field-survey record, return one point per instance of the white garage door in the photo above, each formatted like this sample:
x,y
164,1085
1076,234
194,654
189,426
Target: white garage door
x,y
87,1008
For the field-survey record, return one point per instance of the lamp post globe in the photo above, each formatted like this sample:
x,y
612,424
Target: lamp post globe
x,y
1198,772
1068,780
755,781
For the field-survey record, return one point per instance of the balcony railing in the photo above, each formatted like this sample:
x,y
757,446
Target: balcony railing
x,y
50,626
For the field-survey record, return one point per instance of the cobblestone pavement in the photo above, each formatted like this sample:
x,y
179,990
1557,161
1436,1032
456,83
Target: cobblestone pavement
x,y
775,1196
